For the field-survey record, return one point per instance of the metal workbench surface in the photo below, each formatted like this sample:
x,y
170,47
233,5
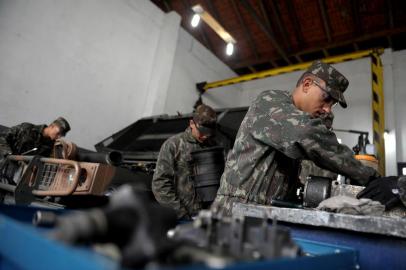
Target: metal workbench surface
x,y
391,226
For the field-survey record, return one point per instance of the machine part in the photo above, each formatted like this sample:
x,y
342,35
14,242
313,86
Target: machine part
x,y
47,176
68,150
316,190
237,237
28,178
64,150
44,219
368,160
208,166
112,158
133,222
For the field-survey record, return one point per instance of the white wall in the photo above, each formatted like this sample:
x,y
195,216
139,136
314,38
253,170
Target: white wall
x,y
101,64
194,63
399,84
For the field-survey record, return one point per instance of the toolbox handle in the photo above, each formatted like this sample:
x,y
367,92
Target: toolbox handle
x,y
65,192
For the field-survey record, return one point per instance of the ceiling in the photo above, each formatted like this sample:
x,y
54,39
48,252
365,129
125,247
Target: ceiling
x,y
276,33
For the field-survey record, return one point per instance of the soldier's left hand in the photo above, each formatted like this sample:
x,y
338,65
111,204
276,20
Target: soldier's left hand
x,y
383,189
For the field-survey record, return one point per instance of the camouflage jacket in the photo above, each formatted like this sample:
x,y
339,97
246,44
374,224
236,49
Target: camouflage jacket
x,y
24,137
272,140
308,167
402,189
172,184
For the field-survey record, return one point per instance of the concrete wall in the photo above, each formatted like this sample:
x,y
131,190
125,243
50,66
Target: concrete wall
x,y
194,63
101,64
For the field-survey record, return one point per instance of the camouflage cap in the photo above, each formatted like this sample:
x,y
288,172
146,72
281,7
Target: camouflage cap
x,y
205,119
63,124
336,83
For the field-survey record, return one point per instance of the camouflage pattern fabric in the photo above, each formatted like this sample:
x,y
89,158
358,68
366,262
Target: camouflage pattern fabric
x,y
308,167
402,189
273,137
24,137
172,183
336,83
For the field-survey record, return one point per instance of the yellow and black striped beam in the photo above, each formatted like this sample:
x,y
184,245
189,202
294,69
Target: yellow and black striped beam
x,y
277,71
378,113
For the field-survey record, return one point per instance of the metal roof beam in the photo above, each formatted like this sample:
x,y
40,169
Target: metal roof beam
x,y
324,17
245,28
364,37
265,29
295,21
356,16
276,15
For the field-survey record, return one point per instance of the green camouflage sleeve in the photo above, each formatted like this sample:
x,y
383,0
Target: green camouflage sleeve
x,y
321,146
163,181
7,140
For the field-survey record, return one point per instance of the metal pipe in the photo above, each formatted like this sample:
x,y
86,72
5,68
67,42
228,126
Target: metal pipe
x,y
111,158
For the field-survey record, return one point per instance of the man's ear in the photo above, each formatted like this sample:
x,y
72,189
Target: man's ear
x,y
191,123
307,82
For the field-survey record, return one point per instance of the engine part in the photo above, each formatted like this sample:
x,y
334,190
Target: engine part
x,y
111,158
131,221
44,219
28,177
237,237
316,190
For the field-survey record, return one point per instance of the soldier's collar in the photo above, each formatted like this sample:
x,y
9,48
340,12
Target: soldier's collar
x,y
189,136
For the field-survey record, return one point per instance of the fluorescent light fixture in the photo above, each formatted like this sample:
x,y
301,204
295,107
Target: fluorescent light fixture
x,y
229,48
215,25
404,171
195,20
339,140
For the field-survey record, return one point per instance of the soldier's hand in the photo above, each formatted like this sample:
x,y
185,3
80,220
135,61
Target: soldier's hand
x,y
383,189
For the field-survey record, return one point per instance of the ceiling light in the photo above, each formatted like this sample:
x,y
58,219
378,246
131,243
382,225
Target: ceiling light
x,y
195,20
200,13
229,48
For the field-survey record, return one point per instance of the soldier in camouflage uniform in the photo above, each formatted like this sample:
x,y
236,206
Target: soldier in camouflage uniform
x,y
279,130
308,167
172,184
25,137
